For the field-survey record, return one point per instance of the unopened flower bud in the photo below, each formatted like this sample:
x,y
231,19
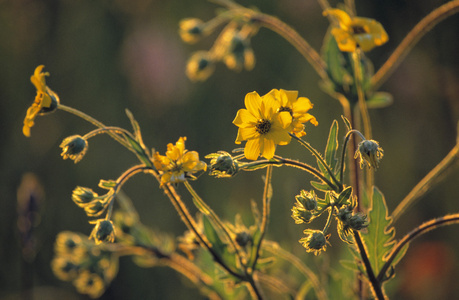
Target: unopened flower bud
x,y
222,164
200,66
74,147
307,199
301,215
315,241
82,196
243,238
358,221
370,153
103,232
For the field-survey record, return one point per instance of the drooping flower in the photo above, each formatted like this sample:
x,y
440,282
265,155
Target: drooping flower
x,y
103,232
298,109
74,147
370,153
45,101
354,32
314,241
179,163
262,125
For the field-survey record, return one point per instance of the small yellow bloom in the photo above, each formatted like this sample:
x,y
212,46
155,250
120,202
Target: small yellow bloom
x,y
351,33
262,125
298,109
200,66
179,163
45,101
191,30
90,283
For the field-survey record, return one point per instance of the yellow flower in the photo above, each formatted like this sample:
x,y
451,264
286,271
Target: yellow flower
x,y
356,32
262,125
191,30
200,66
45,101
90,283
298,109
179,163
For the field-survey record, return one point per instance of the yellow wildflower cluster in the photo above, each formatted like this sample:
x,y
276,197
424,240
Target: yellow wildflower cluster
x,y
267,121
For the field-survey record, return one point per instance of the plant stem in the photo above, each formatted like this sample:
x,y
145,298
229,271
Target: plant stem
x,y
424,26
320,159
107,129
424,228
295,40
343,153
369,270
432,178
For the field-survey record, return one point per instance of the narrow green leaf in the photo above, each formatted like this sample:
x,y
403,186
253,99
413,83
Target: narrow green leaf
x,y
332,146
213,237
380,100
344,196
107,184
323,187
202,207
379,239
256,241
347,123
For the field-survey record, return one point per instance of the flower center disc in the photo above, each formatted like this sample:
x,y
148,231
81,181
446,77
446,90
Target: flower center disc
x,y
356,29
263,126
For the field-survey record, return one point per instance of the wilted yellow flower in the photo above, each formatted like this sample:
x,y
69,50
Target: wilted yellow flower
x,y
45,101
297,107
351,33
90,283
74,147
103,232
262,125
179,163
200,66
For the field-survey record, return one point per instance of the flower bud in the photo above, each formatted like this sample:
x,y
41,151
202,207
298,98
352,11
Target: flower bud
x,y
104,231
200,66
222,164
82,196
370,153
358,221
315,241
74,147
243,238
307,199
301,215
191,30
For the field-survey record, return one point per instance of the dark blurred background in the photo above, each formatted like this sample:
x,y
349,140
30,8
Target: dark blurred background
x,y
108,55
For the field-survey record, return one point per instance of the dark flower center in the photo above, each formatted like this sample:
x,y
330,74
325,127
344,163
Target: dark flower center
x,y
263,126
356,29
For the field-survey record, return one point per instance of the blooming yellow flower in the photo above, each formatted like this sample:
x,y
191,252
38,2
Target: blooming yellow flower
x,y
262,125
45,101
179,163
297,107
356,32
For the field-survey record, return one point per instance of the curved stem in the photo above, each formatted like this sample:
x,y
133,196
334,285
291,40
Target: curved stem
x,y
343,153
329,220
107,130
320,159
356,56
433,177
295,40
369,270
424,26
424,228
275,249
215,219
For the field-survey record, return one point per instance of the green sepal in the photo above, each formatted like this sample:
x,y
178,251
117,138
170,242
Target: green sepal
x,y
380,100
107,184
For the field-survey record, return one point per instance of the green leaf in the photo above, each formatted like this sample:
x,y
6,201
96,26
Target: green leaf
x,y
347,123
107,184
332,146
380,237
336,64
352,265
323,187
380,100
256,241
212,235
344,196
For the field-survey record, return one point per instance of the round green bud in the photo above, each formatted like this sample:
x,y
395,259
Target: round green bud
x,y
103,232
82,196
74,147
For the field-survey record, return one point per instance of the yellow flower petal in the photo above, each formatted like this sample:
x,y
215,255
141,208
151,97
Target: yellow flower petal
x,y
252,148
253,103
244,118
246,134
269,147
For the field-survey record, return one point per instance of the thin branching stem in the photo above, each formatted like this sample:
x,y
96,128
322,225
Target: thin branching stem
x,y
424,228
343,153
425,25
107,129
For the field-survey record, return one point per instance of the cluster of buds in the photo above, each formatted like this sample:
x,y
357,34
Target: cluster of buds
x,y
77,259
232,47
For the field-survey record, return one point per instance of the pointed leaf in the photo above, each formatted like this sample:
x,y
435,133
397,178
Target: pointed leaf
x,y
323,187
344,196
332,146
380,237
213,237
347,123
380,100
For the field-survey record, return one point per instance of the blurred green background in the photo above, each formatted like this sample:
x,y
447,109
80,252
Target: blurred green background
x,y
105,56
